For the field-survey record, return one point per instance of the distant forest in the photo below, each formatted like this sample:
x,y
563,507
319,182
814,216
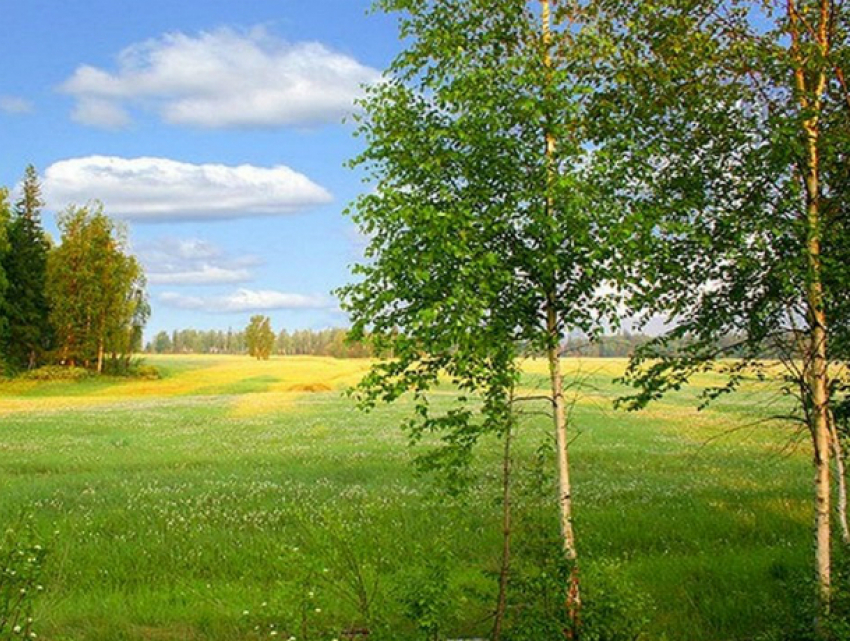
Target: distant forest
x,y
333,342
326,342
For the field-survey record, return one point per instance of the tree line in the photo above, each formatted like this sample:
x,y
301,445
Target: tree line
x,y
338,343
81,302
332,342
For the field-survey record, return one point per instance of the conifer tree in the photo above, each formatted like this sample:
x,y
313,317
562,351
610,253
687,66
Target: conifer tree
x,y
4,283
26,270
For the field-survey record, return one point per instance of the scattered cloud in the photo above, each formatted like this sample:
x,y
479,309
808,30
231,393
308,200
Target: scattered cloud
x,y
15,105
176,261
104,114
222,79
205,275
245,300
163,190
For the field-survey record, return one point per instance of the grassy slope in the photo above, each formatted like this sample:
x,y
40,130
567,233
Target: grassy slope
x,y
172,507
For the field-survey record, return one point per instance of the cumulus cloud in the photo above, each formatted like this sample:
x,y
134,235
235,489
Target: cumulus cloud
x,y
15,105
159,189
176,261
244,300
222,78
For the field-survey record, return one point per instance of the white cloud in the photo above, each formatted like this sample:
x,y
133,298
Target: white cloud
x,y
222,78
100,113
159,189
205,275
245,300
176,261
15,105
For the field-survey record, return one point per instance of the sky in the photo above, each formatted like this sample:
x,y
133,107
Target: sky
x,y
216,130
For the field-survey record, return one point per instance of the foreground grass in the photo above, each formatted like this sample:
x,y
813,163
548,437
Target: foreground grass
x,y
238,499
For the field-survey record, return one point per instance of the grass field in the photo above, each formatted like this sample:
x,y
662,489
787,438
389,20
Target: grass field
x,y
235,499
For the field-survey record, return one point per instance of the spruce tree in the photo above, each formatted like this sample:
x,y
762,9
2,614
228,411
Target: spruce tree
x,y
26,270
4,283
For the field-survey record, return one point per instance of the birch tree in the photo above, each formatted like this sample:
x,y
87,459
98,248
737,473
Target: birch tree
x,y
726,128
95,288
485,229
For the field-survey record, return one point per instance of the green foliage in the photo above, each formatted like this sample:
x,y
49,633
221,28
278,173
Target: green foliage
x,y
259,337
334,342
720,234
613,608
21,566
95,288
5,217
29,332
799,589
56,373
428,599
131,368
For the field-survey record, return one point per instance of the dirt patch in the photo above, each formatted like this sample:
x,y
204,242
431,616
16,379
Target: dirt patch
x,y
309,387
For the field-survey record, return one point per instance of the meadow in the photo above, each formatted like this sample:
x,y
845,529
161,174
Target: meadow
x,y
238,499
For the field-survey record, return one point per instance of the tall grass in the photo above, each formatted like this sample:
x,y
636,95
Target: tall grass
x,y
224,501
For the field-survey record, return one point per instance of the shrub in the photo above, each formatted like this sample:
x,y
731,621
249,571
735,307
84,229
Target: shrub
x,y
57,373
134,368
612,608
428,599
147,372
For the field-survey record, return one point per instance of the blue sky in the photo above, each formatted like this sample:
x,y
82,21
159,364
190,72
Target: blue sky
x,y
213,128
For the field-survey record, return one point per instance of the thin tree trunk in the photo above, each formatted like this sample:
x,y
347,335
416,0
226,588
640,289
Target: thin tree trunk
x,y
810,90
841,479
100,356
817,383
573,596
504,571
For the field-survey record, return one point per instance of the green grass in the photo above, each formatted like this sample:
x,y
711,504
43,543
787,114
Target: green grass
x,y
170,508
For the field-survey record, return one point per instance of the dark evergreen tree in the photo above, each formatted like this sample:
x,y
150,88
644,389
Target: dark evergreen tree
x,y
28,336
4,283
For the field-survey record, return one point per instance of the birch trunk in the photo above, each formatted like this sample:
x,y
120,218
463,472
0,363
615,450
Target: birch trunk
x,y
810,90
504,570
573,597
100,356
841,479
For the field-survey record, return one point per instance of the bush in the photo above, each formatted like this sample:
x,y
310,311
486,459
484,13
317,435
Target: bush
x,y
21,563
612,608
147,372
134,368
57,373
